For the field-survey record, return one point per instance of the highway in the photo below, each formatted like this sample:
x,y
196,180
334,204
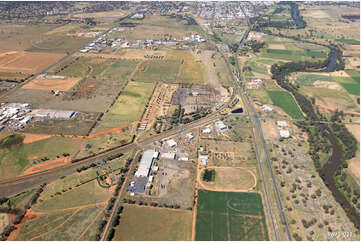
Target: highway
x,y
10,187
255,120
13,186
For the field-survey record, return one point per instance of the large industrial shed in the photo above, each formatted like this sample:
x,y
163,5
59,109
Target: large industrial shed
x,y
146,163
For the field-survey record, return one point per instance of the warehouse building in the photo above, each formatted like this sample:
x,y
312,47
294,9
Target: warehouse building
x,y
146,163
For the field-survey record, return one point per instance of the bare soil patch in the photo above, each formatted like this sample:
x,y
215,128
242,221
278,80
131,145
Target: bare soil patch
x,y
277,46
26,62
47,165
52,84
29,138
329,85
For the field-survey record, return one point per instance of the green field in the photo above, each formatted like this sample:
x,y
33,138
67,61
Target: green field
x,y
147,223
309,79
257,67
87,194
15,160
349,41
350,84
120,70
129,106
157,70
286,101
230,216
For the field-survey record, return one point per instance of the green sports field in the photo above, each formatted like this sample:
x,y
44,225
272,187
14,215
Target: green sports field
x,y
285,101
230,216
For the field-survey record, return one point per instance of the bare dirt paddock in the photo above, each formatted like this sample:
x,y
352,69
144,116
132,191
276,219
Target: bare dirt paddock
x,y
26,62
52,84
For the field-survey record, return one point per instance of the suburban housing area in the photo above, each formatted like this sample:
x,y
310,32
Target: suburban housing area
x,y
172,120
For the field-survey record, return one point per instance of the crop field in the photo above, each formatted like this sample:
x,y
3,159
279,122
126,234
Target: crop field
x,y
287,102
290,50
120,70
230,216
349,41
230,178
16,159
350,84
26,62
52,84
148,223
330,99
129,106
309,79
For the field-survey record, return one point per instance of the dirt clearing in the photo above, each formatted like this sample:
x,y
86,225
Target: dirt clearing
x,y
47,165
277,46
329,85
52,84
29,138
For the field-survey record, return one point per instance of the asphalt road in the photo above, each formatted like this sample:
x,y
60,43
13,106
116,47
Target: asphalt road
x,y
13,186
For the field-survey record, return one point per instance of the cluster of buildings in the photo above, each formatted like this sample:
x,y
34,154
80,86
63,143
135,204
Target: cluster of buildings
x,y
220,126
14,116
283,129
103,42
254,83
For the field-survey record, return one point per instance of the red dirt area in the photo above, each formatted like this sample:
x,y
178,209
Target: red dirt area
x,y
47,165
52,84
29,138
29,215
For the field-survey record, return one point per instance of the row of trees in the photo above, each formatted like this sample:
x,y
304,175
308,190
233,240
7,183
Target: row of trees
x,y
318,133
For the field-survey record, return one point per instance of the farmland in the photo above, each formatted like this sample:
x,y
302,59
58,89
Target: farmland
x,y
128,107
15,159
230,216
26,62
228,178
69,219
152,224
286,101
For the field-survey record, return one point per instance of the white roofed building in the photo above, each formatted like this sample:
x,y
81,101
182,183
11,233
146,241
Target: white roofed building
x,y
146,163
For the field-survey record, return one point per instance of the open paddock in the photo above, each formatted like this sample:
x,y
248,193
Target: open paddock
x,y
26,62
148,223
232,179
52,84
